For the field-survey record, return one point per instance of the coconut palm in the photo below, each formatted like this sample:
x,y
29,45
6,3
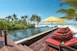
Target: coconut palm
x,y
70,13
35,18
32,19
38,19
15,17
12,19
24,19
8,18
72,3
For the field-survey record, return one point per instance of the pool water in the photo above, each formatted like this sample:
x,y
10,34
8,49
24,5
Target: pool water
x,y
25,33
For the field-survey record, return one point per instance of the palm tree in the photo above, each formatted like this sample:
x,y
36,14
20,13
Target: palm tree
x,y
71,13
35,18
8,18
38,19
24,19
15,17
12,19
72,3
32,19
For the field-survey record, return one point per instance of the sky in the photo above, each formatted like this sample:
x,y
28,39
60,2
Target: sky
x,y
44,8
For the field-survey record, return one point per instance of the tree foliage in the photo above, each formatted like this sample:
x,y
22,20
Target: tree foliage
x,y
13,23
24,19
70,13
35,18
3,25
72,3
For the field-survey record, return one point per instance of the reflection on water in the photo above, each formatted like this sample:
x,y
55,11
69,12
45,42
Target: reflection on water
x,y
20,34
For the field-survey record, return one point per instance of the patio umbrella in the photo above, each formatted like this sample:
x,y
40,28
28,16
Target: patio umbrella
x,y
54,20
60,21
51,19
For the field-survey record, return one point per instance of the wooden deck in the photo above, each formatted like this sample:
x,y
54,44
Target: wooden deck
x,y
11,46
41,45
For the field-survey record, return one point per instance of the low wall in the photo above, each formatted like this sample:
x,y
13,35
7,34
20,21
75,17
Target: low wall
x,y
32,39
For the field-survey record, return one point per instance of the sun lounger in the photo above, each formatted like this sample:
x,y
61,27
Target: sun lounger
x,y
71,42
57,35
52,41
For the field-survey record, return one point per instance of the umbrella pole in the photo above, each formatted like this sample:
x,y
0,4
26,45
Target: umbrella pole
x,y
60,48
52,24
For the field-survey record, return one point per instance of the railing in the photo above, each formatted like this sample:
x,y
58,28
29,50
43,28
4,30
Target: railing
x,y
3,33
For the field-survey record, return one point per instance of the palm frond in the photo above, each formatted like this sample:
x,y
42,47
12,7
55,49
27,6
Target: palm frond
x,y
61,11
72,3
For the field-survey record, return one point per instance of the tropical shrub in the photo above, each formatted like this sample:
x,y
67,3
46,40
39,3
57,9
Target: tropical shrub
x,y
3,25
30,25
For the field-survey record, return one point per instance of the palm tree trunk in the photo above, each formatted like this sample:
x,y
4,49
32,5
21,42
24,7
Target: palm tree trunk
x,y
37,24
76,18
